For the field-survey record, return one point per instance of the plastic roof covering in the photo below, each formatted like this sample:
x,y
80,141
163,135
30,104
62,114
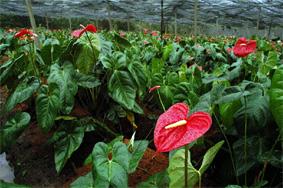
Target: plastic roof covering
x,y
240,13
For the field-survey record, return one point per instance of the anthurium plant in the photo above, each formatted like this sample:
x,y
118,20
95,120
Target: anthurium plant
x,y
230,136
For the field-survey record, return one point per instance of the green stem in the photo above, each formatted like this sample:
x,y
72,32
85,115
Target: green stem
x,y
199,179
229,147
265,163
245,139
186,165
161,101
33,60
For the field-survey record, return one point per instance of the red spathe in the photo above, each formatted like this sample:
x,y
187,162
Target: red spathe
x,y
169,139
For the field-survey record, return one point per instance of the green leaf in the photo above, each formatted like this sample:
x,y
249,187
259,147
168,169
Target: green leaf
x,y
23,91
47,106
122,89
233,186
257,112
209,156
176,170
6,69
137,153
12,129
159,180
231,94
137,71
177,165
67,143
50,51
86,59
122,41
271,62
254,148
111,164
84,181
276,98
86,81
63,77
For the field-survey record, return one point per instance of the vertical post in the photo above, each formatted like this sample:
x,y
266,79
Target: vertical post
x,y
175,27
109,16
258,19
31,17
46,21
217,26
269,29
128,24
70,23
195,17
162,19
96,23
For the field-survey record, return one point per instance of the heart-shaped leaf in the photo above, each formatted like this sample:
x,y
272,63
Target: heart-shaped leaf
x,y
12,129
47,105
110,165
276,98
23,91
63,77
66,144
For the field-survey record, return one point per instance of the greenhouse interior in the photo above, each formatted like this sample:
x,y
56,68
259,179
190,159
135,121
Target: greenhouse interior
x,y
141,93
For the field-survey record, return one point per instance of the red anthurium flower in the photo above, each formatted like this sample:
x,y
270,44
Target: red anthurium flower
x,y
174,129
78,33
154,33
23,33
243,47
153,89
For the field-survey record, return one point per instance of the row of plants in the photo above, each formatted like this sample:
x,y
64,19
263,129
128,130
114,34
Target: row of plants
x,y
230,88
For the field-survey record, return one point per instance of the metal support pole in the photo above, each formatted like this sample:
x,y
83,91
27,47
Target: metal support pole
x,y
31,18
128,24
109,17
46,21
70,23
176,29
195,17
258,19
162,19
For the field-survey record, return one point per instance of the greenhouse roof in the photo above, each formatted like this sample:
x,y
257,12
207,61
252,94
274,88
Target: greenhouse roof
x,y
227,12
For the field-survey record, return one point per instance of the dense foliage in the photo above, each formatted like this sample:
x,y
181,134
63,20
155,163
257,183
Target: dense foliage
x,y
109,76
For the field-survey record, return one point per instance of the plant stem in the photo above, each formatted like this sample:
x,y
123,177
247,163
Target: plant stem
x,y
199,179
186,165
265,163
229,147
161,101
245,139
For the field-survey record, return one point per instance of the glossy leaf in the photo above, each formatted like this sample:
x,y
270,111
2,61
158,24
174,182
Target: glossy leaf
x,y
47,105
63,77
84,181
65,145
136,154
12,129
209,156
159,180
111,164
122,89
276,98
86,81
22,92
176,170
